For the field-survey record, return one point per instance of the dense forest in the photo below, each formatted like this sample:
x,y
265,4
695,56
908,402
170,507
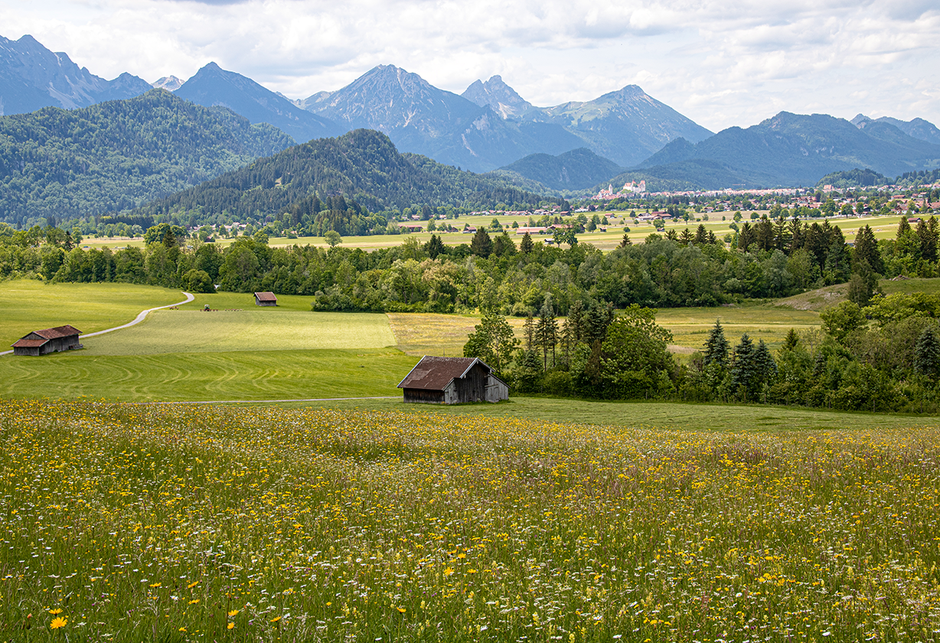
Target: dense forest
x,y
877,352
363,166
65,164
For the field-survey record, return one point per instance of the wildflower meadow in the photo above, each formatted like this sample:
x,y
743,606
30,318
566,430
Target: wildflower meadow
x,y
139,522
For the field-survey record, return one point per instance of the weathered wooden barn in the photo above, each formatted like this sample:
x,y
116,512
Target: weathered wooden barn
x,y
50,340
452,380
265,299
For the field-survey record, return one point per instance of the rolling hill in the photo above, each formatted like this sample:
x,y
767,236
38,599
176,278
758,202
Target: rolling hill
x,y
362,165
118,154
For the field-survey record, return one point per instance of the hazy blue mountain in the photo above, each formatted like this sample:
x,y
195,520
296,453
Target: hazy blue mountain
x,y
791,150
423,119
118,154
917,128
32,77
625,126
169,83
499,97
212,86
574,170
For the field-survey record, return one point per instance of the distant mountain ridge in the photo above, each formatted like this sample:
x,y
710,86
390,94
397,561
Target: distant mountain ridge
x,y
917,128
490,125
574,170
788,150
212,86
32,77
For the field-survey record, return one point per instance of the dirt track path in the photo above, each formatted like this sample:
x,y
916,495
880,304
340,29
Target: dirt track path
x,y
140,317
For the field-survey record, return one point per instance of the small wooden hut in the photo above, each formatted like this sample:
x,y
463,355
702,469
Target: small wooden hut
x,y
265,299
452,380
50,340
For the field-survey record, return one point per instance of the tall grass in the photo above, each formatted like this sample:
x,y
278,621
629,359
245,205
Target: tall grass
x,y
138,522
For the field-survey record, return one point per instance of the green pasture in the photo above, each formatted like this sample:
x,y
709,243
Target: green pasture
x,y
249,375
196,331
27,305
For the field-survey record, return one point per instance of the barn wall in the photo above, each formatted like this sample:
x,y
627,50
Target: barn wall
x,y
422,396
60,344
496,390
472,387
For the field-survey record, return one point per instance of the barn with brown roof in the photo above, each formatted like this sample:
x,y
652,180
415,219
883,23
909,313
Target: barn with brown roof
x,y
50,340
265,299
452,380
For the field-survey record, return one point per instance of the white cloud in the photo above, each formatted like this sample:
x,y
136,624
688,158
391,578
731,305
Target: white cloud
x,y
718,62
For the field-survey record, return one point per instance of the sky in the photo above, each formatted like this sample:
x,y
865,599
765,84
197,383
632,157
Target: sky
x,y
720,63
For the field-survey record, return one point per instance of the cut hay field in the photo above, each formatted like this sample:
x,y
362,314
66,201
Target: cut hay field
x,y
27,305
235,352
160,523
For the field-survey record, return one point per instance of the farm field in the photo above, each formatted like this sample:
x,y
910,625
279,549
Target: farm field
x,y
27,305
429,333
144,522
883,227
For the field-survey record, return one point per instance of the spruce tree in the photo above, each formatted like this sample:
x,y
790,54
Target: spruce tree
x,y
744,367
546,331
791,341
481,245
927,354
716,346
526,246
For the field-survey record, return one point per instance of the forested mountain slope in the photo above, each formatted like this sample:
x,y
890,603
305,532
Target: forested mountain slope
x,y
363,165
116,155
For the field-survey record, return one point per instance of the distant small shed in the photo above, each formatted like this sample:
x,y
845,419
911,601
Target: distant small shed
x,y
50,340
265,299
452,380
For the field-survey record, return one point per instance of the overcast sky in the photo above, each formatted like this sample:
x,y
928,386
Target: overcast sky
x,y
721,63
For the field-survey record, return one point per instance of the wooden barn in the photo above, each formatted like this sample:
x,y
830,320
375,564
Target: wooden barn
x,y
265,299
50,340
452,380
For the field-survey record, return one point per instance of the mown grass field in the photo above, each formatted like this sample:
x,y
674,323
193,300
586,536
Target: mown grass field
x,y
237,351
27,305
157,523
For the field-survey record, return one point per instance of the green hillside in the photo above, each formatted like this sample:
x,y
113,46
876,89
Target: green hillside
x,y
362,165
116,155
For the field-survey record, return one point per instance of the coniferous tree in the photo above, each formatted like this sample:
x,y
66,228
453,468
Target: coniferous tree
x,y
743,368
716,346
866,249
927,354
546,331
791,341
526,245
434,246
481,245
528,331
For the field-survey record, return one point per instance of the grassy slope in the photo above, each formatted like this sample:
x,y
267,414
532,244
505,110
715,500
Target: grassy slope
x,y
238,351
27,305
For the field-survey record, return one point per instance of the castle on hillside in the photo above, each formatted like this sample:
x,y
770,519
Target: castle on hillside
x,y
628,188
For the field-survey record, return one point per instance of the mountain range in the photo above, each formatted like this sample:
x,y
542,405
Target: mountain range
x,y
32,77
786,150
491,127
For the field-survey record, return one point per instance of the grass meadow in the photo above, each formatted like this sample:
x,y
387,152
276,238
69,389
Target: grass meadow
x,y
28,304
124,522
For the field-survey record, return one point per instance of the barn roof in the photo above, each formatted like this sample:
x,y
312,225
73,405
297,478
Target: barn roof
x,y
46,335
435,373
265,296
